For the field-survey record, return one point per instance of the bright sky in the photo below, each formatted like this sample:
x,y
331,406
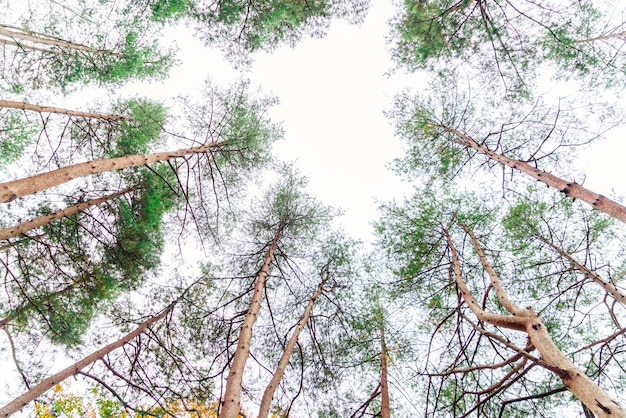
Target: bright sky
x,y
332,94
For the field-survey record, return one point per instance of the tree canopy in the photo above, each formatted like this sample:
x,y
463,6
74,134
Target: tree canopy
x,y
171,261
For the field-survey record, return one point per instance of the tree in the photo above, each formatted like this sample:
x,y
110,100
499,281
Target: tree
x,y
128,241
97,255
287,216
514,41
439,144
21,401
477,366
270,389
526,320
47,60
239,27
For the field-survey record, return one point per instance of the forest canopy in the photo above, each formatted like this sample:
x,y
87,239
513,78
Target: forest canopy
x,y
162,255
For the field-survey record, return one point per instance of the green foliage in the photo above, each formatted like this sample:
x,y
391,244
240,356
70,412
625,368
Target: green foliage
x,y
16,133
141,131
499,39
239,28
139,228
165,10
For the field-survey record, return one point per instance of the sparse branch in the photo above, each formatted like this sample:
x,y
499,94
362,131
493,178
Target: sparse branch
x,y
569,189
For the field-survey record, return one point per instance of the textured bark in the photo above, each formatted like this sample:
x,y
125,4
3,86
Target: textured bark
x,y
17,35
11,190
569,189
385,406
10,104
14,231
232,394
526,320
18,403
268,394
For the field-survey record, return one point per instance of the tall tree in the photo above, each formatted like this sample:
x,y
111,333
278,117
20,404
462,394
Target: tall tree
x,y
287,216
46,60
513,41
552,358
29,396
446,137
241,26
477,366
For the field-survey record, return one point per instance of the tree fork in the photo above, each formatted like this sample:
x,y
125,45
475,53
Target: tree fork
x,y
526,320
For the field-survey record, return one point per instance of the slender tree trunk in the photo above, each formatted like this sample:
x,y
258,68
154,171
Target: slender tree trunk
x,y
11,190
17,230
526,320
617,35
17,34
232,394
569,189
385,405
10,104
18,403
268,394
608,287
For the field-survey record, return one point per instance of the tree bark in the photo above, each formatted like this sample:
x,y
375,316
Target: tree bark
x,y
526,320
385,405
268,394
10,104
17,34
232,394
11,190
18,403
17,230
569,189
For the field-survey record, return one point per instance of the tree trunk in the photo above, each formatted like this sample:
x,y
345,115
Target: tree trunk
x,y
14,231
526,320
17,35
385,405
11,190
268,394
232,394
608,287
18,403
569,189
10,104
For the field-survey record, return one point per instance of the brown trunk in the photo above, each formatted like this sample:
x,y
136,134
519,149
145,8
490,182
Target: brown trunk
x,y
268,394
17,35
618,35
14,231
11,190
570,189
526,320
9,104
18,403
385,406
232,394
